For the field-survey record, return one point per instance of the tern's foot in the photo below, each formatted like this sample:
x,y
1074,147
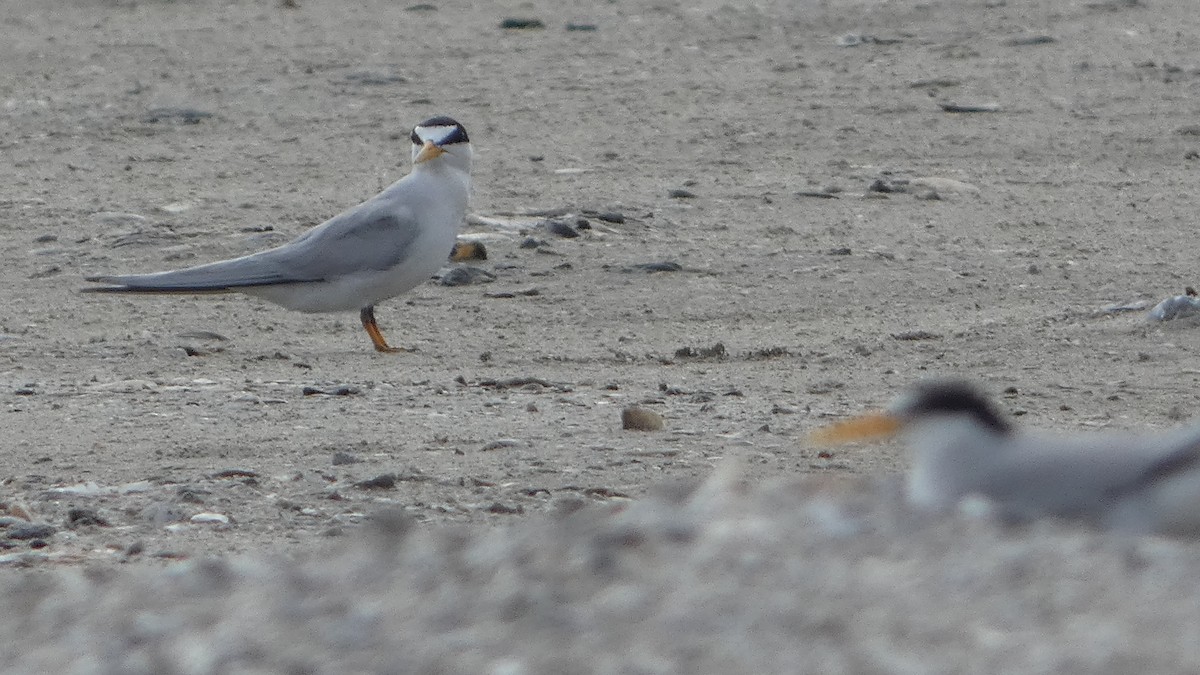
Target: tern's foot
x,y
385,348
381,345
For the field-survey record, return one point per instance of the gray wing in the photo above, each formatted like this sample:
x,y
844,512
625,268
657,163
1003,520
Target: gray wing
x,y
375,235
1084,477
1183,454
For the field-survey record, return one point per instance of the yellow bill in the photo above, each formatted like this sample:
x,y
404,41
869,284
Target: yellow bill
x,y
428,152
871,425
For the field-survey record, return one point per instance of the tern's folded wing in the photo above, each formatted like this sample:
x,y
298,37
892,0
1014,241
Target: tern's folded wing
x,y
375,235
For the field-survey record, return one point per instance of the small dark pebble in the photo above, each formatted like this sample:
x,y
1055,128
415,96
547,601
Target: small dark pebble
x,y
716,351
189,495
499,445
386,481
505,509
421,7
886,187
582,27
235,473
969,107
607,216
531,242
38,543
819,194
1030,40
915,335
768,353
46,238
192,350
79,517
375,79
25,392
168,114
582,224
512,23
341,458
339,391
465,275
32,531
514,382
680,193
649,268
136,548
560,228
841,250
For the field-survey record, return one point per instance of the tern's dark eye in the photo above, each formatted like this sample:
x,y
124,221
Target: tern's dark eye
x,y
416,139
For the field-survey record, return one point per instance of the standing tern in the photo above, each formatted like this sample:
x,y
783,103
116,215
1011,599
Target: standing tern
x,y
963,447
379,249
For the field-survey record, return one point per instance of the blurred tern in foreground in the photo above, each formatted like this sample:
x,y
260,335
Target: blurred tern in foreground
x,y
379,249
963,447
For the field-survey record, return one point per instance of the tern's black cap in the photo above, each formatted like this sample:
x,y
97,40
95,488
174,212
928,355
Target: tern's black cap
x,y
458,135
952,397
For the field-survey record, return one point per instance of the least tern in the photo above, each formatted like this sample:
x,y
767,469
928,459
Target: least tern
x,y
963,447
379,249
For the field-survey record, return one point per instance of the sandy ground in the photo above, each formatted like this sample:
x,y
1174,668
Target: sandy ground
x,y
146,135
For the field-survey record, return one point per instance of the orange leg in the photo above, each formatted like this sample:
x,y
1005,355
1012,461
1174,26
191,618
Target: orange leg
x,y
368,321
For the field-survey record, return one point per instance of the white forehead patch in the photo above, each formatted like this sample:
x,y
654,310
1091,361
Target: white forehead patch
x,y
439,134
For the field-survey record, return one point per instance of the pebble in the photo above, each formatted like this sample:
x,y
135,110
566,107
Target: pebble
x,y
636,418
31,531
717,351
343,458
182,115
468,250
235,473
531,242
161,513
500,443
1030,40
916,335
680,193
175,207
338,391
385,481
517,23
373,79
582,27
650,268
77,517
560,228
209,519
614,217
953,107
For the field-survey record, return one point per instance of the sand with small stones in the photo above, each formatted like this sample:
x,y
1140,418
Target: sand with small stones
x,y
835,234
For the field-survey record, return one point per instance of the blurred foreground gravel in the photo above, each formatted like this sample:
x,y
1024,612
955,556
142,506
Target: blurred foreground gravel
x,y
722,577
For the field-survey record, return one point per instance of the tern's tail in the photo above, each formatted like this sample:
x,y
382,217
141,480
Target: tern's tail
x,y
239,274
